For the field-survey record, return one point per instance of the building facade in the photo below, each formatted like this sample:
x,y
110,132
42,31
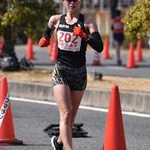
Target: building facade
x,y
100,10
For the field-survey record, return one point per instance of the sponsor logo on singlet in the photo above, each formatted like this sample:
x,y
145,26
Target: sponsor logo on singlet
x,y
63,26
67,41
118,26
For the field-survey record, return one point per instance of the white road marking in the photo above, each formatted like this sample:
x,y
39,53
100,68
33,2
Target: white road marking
x,y
81,107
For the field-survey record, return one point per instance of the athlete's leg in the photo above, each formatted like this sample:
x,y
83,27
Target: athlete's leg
x,y
76,97
118,55
63,99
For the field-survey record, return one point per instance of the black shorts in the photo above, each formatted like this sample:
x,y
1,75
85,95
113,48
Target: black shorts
x,y
118,37
75,78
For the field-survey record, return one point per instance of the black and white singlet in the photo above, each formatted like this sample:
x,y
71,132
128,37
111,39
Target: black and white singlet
x,y
71,48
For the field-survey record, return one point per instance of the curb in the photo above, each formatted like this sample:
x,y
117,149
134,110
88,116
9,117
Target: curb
x,y
130,101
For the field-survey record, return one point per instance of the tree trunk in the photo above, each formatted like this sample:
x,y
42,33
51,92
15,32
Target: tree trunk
x,y
8,49
9,60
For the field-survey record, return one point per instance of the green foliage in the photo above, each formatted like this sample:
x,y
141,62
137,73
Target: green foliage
x,y
25,16
137,20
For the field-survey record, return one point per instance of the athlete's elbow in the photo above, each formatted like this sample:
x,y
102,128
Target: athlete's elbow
x,y
99,47
96,42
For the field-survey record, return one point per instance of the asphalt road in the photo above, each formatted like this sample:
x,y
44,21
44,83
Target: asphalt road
x,y
31,118
107,67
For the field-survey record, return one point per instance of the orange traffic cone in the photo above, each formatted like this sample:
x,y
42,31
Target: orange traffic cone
x,y
50,47
106,49
54,50
131,59
29,50
114,138
1,45
139,56
7,136
96,59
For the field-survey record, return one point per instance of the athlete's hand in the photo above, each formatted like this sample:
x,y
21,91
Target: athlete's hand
x,y
78,31
43,42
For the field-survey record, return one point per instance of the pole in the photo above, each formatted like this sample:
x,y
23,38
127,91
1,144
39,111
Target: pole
x,y
63,9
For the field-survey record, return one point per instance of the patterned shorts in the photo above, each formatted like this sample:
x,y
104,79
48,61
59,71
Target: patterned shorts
x,y
75,78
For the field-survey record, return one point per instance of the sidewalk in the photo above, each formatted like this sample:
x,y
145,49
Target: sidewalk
x,y
107,67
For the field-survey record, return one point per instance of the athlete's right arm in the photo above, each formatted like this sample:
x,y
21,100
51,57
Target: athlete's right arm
x,y
44,41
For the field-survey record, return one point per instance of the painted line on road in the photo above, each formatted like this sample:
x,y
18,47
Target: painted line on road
x,y
136,114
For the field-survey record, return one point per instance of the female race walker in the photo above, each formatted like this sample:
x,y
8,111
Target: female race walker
x,y
118,34
69,74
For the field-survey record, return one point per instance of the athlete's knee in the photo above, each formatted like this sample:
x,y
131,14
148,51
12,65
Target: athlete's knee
x,y
66,116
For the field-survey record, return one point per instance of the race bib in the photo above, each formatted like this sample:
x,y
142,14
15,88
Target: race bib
x,y
67,41
118,26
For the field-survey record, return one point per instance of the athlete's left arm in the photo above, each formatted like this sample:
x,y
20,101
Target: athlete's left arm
x,y
95,40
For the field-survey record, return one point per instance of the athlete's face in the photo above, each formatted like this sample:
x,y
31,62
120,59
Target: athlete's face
x,y
72,5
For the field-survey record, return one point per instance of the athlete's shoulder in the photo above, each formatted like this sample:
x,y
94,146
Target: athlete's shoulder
x,y
55,18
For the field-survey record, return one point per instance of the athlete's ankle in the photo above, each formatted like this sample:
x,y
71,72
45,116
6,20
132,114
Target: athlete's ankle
x,y
59,141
